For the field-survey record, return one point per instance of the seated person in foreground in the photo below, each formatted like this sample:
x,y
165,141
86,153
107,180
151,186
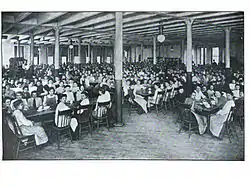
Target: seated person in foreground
x,y
180,97
84,99
62,106
217,120
201,120
104,96
153,100
28,127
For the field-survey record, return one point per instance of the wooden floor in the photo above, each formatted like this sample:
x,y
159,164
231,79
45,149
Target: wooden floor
x,y
145,136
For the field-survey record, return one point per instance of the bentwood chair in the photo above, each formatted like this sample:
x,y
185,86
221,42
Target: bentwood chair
x,y
83,116
188,122
101,116
230,127
63,125
158,103
23,143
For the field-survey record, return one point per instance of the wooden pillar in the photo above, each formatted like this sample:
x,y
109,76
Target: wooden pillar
x,y
204,56
79,49
57,50
189,56
18,48
198,57
182,51
154,50
141,51
118,51
31,48
227,48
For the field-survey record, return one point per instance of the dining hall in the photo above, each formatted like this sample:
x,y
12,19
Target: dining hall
x,y
123,85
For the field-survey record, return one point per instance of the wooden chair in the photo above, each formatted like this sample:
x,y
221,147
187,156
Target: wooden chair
x,y
230,127
101,116
23,143
188,121
158,103
83,116
63,125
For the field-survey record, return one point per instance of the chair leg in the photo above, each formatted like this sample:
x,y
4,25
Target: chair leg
x,y
17,149
80,130
71,135
189,130
107,122
58,140
90,128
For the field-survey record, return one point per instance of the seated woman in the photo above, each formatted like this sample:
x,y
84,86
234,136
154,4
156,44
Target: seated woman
x,y
201,120
99,111
61,107
26,94
70,95
79,93
60,88
138,98
84,99
210,91
217,120
198,94
50,99
153,100
28,127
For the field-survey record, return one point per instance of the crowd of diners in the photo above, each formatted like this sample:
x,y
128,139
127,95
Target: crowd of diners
x,y
43,89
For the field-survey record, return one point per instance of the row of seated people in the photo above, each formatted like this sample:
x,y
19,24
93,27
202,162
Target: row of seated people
x,y
223,100
19,109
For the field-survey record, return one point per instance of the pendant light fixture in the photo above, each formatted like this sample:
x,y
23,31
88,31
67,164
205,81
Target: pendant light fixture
x,y
161,37
71,44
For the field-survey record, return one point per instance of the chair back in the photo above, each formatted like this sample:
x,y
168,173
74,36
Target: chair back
x,y
105,104
188,116
64,118
12,123
159,97
230,115
83,113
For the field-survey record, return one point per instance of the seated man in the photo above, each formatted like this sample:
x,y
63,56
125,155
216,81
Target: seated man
x,y
34,102
28,127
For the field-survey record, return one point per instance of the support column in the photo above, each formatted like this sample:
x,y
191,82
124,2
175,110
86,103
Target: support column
x,y
182,51
80,50
227,48
204,55
141,51
57,50
89,53
154,50
198,57
18,48
195,55
92,55
31,49
118,51
189,56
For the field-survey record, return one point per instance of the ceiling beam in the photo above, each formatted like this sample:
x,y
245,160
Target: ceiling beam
x,y
42,18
